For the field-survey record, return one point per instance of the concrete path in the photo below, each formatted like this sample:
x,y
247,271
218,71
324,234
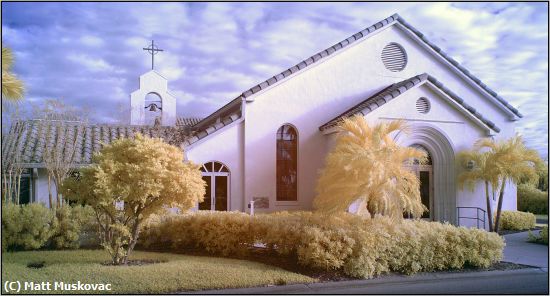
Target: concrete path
x,y
518,250
519,281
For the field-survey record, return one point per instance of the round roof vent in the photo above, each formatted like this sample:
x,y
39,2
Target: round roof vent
x,y
394,57
423,105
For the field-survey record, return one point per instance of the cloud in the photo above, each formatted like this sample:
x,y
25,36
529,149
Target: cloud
x,y
92,64
91,53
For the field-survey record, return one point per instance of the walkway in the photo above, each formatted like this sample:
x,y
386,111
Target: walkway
x,y
518,250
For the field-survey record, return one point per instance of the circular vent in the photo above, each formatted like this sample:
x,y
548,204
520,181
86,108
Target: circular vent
x,y
423,105
394,57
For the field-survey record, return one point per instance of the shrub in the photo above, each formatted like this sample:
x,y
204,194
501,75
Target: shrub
x,y
532,200
72,224
26,227
361,247
34,226
516,220
542,238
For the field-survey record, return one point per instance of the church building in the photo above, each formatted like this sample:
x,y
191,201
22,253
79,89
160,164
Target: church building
x,y
268,145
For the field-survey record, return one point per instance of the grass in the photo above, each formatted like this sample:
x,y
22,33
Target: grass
x,y
175,273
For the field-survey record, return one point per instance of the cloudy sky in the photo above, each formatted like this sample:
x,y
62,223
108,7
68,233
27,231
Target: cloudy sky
x,y
90,54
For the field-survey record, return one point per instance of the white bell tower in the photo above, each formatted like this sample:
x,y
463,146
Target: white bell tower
x,y
152,97
152,102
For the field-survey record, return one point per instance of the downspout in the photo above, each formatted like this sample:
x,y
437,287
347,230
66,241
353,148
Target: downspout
x,y
243,161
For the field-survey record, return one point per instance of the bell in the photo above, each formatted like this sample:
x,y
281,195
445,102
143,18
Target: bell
x,y
152,107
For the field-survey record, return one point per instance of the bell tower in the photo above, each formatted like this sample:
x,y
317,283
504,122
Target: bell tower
x,y
152,101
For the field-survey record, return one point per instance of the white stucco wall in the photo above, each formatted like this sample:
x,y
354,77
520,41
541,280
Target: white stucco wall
x,y
319,93
41,187
224,146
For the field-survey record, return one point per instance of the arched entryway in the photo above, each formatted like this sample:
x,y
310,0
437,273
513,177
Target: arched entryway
x,y
216,176
440,149
424,173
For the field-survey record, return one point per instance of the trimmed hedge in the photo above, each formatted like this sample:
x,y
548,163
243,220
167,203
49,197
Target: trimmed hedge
x,y
516,220
361,247
532,200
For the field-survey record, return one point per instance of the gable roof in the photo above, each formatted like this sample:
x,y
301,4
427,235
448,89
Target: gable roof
x,y
358,36
26,140
187,121
393,91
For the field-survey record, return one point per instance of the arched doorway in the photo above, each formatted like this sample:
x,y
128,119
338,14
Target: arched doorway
x,y
424,173
442,182
216,176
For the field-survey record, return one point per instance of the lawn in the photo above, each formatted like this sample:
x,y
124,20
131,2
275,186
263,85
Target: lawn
x,y
174,273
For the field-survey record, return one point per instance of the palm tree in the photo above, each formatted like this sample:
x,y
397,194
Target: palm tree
x,y
367,165
12,87
509,161
477,169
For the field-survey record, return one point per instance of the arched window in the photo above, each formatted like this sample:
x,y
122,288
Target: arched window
x,y
422,148
287,163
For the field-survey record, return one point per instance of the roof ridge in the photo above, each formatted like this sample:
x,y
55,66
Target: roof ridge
x,y
364,33
457,65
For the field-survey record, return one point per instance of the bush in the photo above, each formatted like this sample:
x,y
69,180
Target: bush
x,y
34,226
516,220
72,224
532,200
542,238
361,247
26,227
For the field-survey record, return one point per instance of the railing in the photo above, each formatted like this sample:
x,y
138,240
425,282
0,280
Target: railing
x,y
477,218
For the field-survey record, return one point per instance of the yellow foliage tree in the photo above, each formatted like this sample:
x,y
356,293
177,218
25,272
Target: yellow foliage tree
x,y
509,161
12,88
130,180
368,165
477,168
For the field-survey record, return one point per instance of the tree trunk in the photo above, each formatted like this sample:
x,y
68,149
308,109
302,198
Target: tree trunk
x,y
499,207
489,211
50,198
57,195
133,241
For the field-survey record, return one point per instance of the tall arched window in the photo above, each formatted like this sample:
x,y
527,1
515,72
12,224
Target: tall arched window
x,y
287,163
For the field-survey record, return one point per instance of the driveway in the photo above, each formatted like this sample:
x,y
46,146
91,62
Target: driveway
x,y
518,250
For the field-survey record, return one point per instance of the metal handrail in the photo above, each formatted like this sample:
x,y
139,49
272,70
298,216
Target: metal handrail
x,y
477,218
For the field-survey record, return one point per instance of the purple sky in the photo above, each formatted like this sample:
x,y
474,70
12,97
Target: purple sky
x,y
90,54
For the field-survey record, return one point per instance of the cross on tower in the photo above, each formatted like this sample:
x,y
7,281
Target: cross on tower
x,y
152,50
